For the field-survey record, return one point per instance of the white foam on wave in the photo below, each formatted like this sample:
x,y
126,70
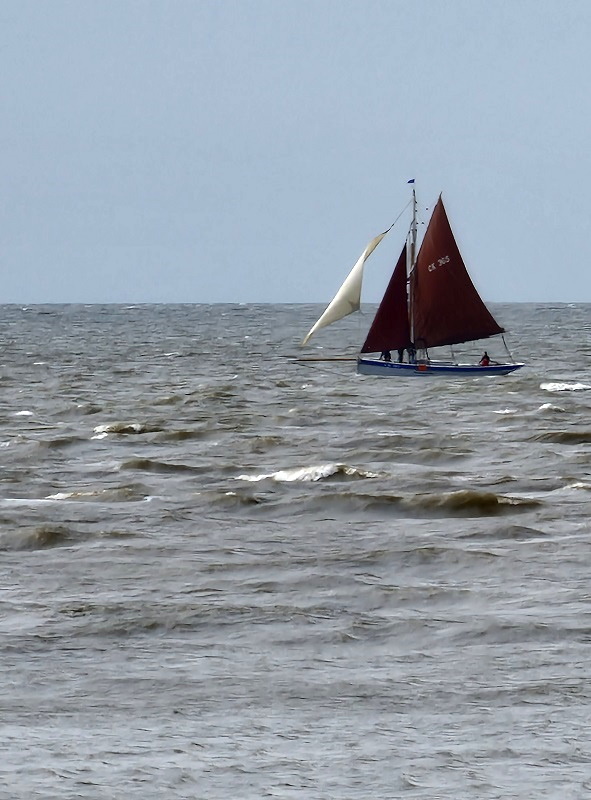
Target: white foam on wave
x,y
551,407
71,495
506,411
558,386
122,428
77,495
118,427
312,473
23,414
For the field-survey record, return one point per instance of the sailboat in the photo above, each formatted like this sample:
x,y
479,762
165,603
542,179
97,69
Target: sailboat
x,y
429,302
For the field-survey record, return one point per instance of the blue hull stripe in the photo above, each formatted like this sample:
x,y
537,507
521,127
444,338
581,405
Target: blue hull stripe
x,y
369,366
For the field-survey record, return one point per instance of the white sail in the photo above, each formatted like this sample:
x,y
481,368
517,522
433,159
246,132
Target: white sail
x,y
348,298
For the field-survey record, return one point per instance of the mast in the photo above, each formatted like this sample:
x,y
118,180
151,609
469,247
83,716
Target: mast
x,y
411,263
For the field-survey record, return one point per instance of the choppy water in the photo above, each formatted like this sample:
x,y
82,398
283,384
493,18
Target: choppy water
x,y
227,575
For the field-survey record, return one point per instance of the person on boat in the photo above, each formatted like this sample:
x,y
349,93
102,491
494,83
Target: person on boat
x,y
400,355
412,354
485,360
385,355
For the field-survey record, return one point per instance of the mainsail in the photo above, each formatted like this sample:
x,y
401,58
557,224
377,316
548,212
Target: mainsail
x,y
390,329
446,308
348,298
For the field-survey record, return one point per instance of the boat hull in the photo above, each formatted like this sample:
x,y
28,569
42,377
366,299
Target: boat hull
x,y
393,369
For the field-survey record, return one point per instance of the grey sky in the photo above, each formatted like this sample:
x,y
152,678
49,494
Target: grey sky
x,y
246,150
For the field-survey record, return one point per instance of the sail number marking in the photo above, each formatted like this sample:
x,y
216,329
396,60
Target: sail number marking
x,y
439,263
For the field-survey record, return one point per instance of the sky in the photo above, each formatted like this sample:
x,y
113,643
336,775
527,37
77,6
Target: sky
x,y
245,151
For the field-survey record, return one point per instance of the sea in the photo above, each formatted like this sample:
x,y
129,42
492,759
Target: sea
x,y
230,574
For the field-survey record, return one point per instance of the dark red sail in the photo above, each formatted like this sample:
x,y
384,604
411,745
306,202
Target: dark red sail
x,y
446,307
390,329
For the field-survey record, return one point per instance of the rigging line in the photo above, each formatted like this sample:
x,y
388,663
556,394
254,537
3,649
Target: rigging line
x,y
383,234
398,217
507,349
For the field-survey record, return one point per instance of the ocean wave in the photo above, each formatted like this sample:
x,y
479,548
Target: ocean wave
x,y
60,442
183,435
235,499
215,393
551,407
126,428
468,502
89,408
312,473
25,501
350,504
507,633
259,444
168,400
111,495
558,386
39,538
510,532
152,465
337,505
565,437
462,503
